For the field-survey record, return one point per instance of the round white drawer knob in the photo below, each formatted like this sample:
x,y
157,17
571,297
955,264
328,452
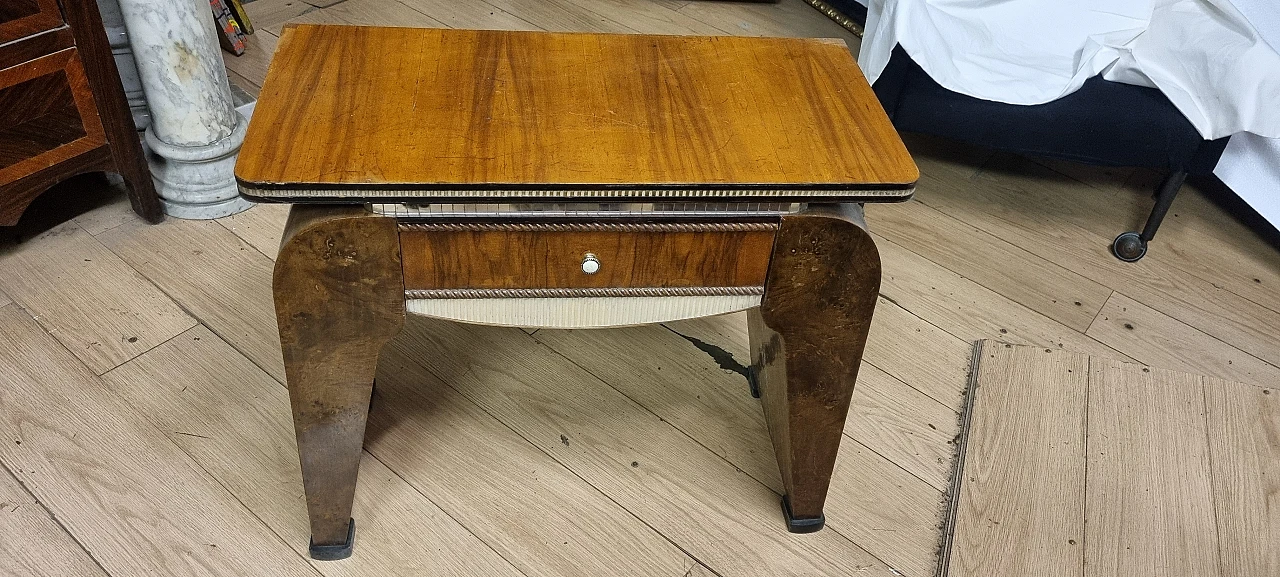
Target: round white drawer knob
x,y
590,264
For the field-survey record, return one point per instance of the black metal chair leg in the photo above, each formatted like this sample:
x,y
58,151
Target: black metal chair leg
x,y
1131,246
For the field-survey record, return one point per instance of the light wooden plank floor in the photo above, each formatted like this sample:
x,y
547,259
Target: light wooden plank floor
x,y
633,451
1079,466
1021,504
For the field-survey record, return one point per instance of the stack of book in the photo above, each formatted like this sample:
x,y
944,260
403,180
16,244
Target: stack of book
x,y
233,24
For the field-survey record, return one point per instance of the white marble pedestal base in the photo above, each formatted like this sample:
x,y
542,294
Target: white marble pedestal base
x,y
195,130
198,182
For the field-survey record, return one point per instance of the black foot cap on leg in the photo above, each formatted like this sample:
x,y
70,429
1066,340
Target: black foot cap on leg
x,y
1129,247
753,379
795,525
335,552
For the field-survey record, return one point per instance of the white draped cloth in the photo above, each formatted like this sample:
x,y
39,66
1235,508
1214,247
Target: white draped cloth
x,y
1211,58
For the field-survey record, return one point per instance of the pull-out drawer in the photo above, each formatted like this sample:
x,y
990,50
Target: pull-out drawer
x,y
585,255
22,18
47,115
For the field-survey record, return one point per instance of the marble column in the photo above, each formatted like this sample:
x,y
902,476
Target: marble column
x,y
195,132
113,21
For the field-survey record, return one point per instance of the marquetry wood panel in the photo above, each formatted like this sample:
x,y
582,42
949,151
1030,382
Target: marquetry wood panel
x,y
47,115
22,18
530,259
441,110
32,47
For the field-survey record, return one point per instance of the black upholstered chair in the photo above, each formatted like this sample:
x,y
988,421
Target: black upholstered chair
x,y
1103,123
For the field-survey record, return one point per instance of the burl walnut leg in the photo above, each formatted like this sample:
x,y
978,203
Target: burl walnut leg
x,y
339,293
806,344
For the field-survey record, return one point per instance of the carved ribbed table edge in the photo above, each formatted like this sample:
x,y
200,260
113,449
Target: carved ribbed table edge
x,y
838,16
590,226
605,194
542,293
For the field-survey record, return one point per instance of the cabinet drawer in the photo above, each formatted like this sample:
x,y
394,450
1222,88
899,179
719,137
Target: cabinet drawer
x,y
515,256
22,18
47,115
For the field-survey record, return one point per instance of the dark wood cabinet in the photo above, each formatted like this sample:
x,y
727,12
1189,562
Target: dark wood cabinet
x,y
62,109
22,18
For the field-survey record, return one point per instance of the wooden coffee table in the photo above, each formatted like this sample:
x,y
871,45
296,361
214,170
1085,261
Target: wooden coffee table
x,y
569,181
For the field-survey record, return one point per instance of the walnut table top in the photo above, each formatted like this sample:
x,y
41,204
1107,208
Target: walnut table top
x,y
431,115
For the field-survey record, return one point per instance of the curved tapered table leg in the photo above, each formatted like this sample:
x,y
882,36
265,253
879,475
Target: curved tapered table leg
x,y
339,294
807,339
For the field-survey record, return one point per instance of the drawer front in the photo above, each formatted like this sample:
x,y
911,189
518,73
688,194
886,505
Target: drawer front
x,y
22,18
627,256
47,115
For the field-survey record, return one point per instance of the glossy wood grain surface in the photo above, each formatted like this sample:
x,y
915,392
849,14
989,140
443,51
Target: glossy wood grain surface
x,y
367,108
507,259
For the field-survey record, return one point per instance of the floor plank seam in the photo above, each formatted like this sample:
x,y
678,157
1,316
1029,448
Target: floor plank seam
x,y
914,314
1049,320
251,245
664,420
306,560
949,406
940,492
1175,267
718,455
925,321
201,321
844,434
1099,315
153,347
560,463
1250,300
55,518
1084,512
443,510
1206,335
892,569
1213,495
147,422
1179,268
1013,247
951,501
103,231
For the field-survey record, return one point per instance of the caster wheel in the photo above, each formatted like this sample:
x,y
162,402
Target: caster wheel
x,y
1129,247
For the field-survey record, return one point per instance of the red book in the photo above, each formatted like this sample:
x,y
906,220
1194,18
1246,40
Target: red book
x,y
229,34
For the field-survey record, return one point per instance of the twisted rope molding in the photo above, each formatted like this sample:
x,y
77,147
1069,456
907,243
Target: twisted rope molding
x,y
543,293
591,226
